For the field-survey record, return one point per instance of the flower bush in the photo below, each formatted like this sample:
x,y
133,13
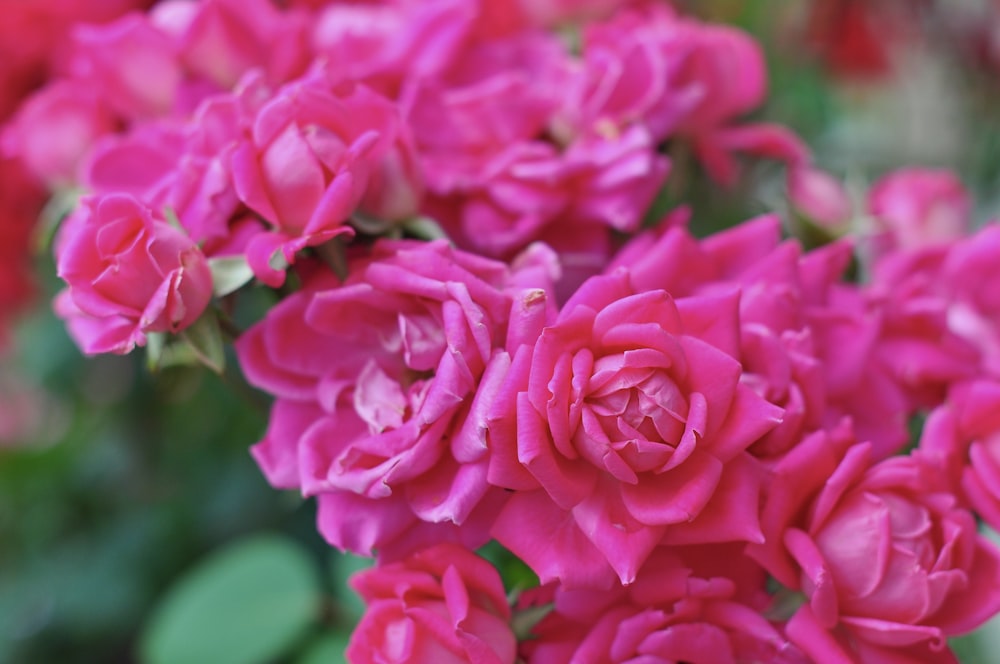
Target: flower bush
x,y
573,412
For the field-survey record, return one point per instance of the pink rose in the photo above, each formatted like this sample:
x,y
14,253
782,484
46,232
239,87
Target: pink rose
x,y
962,439
917,207
444,605
221,40
129,273
883,554
569,200
386,45
677,77
948,288
130,63
317,154
183,166
496,94
55,128
819,198
678,610
631,73
625,425
391,375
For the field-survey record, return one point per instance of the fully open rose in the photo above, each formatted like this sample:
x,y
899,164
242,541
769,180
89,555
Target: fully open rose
x,y
382,389
624,423
883,554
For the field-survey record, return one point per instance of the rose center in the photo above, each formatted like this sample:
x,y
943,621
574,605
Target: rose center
x,y
641,413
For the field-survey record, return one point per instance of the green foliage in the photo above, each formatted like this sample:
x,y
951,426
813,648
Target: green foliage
x,y
327,649
245,604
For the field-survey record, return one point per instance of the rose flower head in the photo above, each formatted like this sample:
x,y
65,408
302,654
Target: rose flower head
x,y
887,559
444,605
129,273
382,387
319,151
625,424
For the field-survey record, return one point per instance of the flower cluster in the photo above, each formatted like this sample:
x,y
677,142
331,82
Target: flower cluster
x,y
663,428
31,39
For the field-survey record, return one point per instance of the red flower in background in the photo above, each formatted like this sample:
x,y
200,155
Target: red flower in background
x,y
21,199
856,38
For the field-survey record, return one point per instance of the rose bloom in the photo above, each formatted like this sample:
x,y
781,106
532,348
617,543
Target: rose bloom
x,y
688,604
220,40
385,45
949,287
317,153
55,128
885,557
129,273
625,424
382,388
495,95
819,198
962,438
917,207
132,65
444,605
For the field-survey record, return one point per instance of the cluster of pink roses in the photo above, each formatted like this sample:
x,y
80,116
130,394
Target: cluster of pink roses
x,y
31,39
663,428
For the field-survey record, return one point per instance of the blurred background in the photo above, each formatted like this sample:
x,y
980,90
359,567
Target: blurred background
x,y
135,525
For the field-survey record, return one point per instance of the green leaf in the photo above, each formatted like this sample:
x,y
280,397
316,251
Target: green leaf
x,y
342,567
229,274
328,649
246,604
204,337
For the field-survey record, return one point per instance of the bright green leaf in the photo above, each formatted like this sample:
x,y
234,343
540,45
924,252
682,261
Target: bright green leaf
x,y
246,604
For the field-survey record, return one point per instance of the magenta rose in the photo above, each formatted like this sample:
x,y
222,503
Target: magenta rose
x,y
631,73
131,63
954,286
625,425
819,198
678,610
383,384
55,128
319,152
444,605
962,438
220,40
129,273
385,45
918,207
883,554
